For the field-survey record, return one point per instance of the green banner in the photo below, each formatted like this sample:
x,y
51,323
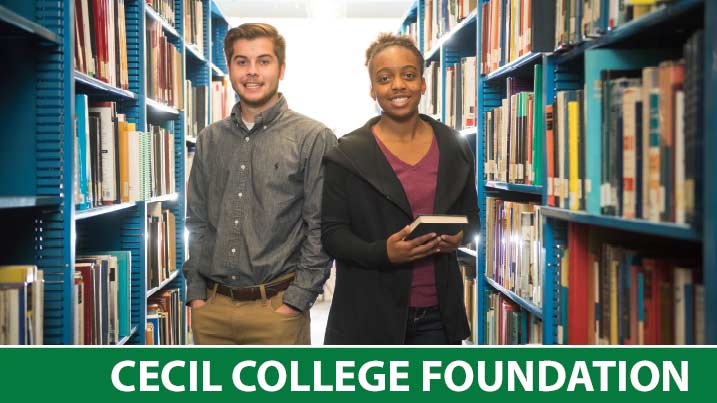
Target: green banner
x,y
128,374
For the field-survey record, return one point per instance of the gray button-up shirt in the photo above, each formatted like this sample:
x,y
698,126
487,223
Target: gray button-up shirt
x,y
254,204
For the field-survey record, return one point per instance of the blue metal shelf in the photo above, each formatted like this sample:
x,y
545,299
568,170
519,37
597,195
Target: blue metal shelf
x,y
410,15
469,131
194,52
434,52
528,60
515,187
93,212
469,252
525,304
648,21
168,197
160,107
163,283
91,84
216,71
170,30
217,12
12,202
665,230
125,339
11,22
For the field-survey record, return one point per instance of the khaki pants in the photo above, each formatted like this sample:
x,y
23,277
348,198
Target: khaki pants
x,y
225,321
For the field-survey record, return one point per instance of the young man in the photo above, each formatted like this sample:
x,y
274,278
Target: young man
x,y
256,262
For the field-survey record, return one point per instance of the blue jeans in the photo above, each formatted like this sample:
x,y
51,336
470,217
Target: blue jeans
x,y
425,327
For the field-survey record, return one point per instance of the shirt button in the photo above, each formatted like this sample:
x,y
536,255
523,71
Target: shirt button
x,y
234,277
264,127
241,194
246,139
234,250
243,167
236,222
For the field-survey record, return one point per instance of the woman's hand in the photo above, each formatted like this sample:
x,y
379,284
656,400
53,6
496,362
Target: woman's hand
x,y
401,251
449,243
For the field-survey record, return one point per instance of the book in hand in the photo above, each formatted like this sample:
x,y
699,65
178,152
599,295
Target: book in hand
x,y
439,224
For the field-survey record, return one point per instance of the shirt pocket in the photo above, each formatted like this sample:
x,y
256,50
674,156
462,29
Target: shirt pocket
x,y
278,168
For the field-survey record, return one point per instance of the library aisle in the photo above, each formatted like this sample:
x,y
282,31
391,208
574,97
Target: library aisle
x,y
593,125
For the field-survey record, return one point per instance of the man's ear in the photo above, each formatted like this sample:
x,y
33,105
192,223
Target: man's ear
x,y
281,71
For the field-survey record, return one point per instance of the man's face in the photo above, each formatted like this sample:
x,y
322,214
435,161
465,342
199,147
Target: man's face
x,y
255,71
396,82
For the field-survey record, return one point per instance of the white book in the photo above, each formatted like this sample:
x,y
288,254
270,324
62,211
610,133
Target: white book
x,y
108,163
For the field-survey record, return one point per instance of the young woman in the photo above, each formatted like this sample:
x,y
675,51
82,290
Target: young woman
x,y
399,165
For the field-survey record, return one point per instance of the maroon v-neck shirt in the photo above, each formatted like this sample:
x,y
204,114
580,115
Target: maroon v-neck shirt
x,y
419,184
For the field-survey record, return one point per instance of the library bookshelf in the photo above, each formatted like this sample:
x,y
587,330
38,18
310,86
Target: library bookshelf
x,y
562,66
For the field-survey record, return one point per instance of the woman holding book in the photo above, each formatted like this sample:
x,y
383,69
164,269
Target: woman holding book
x,y
392,288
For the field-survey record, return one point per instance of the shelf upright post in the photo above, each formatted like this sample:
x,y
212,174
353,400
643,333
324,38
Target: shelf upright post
x,y
709,204
54,227
133,228
420,20
480,163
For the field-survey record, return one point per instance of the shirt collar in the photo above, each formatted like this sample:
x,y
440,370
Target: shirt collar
x,y
263,118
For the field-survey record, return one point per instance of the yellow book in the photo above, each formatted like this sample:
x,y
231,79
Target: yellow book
x,y
574,157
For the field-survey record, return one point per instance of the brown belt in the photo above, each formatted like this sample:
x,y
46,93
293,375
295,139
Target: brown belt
x,y
253,292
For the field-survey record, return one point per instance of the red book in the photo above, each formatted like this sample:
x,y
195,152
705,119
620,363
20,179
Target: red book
x,y
550,151
578,294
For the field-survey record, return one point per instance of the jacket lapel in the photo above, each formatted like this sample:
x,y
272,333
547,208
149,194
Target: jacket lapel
x,y
363,155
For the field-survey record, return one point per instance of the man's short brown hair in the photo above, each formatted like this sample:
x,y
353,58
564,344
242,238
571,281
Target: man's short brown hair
x,y
254,31
388,39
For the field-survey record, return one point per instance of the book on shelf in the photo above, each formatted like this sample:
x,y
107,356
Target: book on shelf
x,y
511,29
22,301
640,119
508,324
165,9
164,67
439,224
513,252
101,41
193,24
645,293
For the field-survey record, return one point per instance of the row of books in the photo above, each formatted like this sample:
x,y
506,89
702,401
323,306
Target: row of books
x,y
513,134
196,108
166,10
580,20
511,29
648,119
164,67
514,253
411,31
194,24
101,41
161,245
21,305
441,16
115,163
468,273
165,320
222,99
612,294
101,297
507,324
460,93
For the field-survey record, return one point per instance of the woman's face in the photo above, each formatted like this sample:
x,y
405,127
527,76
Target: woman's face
x,y
396,82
